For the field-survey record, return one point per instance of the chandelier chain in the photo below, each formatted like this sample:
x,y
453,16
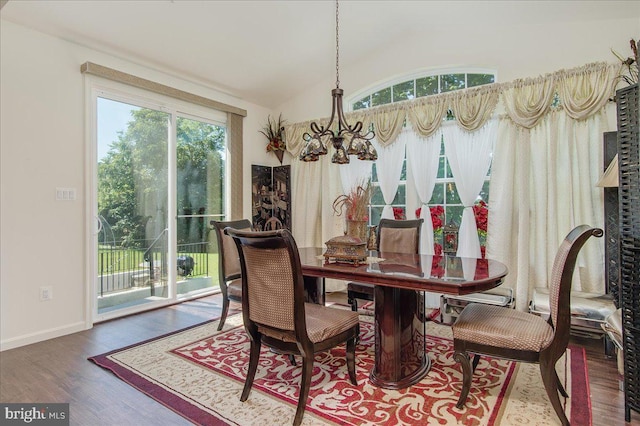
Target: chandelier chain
x,y
357,143
337,47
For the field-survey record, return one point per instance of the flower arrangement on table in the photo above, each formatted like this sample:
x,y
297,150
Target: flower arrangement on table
x,y
274,131
355,206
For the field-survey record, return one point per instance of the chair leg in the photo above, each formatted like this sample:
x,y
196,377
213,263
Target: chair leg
x,y
253,366
467,372
352,301
225,310
476,360
561,389
550,380
351,359
305,382
292,359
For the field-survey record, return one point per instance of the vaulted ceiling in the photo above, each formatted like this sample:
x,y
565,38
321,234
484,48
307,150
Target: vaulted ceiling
x,y
266,52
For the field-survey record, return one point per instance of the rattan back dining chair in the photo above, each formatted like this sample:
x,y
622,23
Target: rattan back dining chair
x,y
228,264
521,336
275,313
398,236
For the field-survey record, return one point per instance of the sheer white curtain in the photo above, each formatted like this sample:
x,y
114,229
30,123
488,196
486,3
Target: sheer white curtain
x,y
469,156
423,157
389,169
354,173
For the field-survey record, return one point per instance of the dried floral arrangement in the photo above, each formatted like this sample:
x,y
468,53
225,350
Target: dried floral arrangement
x,y
631,63
274,131
355,204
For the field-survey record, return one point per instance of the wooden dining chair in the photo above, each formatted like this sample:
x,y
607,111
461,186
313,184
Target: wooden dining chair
x,y
272,223
521,336
398,236
275,313
228,264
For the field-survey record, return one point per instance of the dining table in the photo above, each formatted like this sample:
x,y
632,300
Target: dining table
x,y
400,280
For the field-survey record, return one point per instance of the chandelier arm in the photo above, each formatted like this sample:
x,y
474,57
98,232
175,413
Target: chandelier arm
x,y
368,136
316,129
356,128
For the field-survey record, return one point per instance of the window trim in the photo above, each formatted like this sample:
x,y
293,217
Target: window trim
x,y
151,86
414,75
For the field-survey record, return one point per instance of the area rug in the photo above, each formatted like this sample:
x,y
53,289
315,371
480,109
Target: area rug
x,y
199,373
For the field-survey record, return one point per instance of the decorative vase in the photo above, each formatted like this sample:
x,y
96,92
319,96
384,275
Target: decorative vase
x,y
357,228
280,154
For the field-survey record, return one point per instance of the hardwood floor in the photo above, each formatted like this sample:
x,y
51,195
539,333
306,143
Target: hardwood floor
x,y
57,370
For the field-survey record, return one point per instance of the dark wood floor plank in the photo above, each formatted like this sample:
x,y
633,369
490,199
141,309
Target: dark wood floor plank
x,y
57,370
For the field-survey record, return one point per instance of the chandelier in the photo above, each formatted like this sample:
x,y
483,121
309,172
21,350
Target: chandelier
x,y
357,143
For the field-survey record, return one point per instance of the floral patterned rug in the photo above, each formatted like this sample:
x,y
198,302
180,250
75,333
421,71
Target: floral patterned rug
x,y
199,373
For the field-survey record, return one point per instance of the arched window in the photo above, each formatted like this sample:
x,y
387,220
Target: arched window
x,y
445,193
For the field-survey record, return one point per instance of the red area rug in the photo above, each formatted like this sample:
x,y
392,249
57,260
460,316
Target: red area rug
x,y
199,373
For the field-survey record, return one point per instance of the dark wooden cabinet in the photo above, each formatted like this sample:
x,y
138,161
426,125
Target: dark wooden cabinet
x,y
627,100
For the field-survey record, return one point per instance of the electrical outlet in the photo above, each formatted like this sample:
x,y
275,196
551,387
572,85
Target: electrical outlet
x,y
46,293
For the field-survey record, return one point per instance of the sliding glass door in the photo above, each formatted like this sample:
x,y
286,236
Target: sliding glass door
x,y
159,180
200,189
132,182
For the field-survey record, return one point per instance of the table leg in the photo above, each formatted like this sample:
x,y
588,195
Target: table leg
x,y
400,356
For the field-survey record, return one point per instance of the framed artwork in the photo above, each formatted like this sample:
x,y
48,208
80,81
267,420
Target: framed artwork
x,y
271,197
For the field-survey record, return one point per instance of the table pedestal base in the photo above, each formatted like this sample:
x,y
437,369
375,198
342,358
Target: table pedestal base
x,y
400,356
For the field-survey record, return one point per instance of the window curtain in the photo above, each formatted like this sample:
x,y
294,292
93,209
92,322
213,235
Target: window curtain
x,y
313,191
354,173
306,200
545,166
314,187
388,122
543,177
235,144
423,158
469,156
389,169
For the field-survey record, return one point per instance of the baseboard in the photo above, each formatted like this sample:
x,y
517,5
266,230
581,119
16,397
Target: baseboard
x,y
40,336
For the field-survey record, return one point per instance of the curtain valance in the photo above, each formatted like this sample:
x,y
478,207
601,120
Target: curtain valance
x,y
472,108
526,102
583,91
426,114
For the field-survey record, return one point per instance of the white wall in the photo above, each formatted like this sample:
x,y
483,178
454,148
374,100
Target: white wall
x,y
42,119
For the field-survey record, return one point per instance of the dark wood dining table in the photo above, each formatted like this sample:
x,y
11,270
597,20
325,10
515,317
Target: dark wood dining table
x,y
400,281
